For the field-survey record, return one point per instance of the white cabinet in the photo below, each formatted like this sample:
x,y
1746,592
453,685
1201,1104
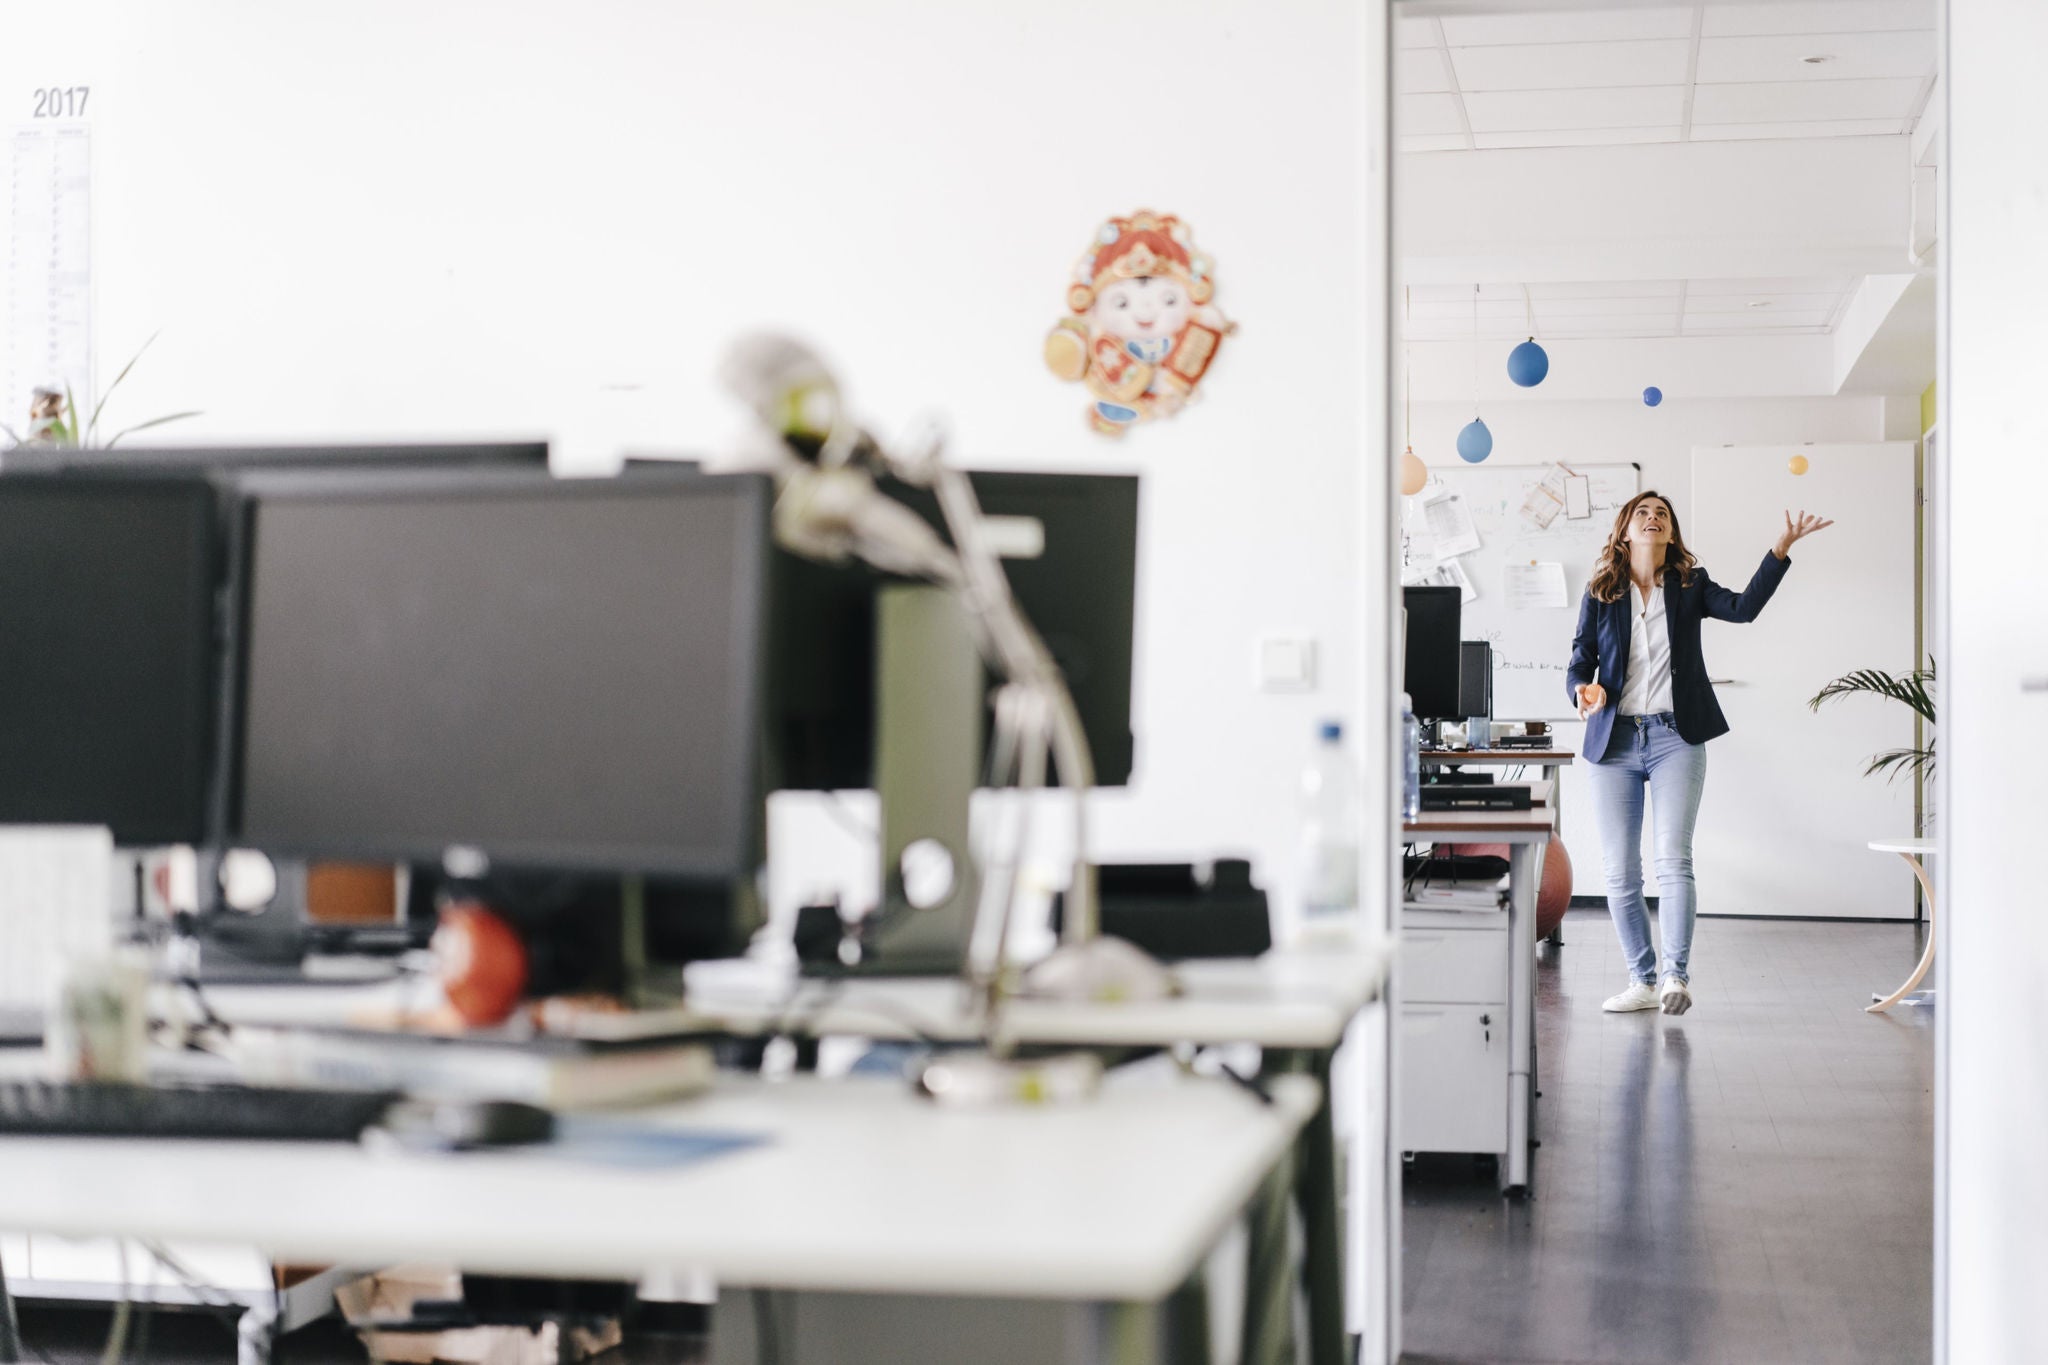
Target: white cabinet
x,y
1454,1032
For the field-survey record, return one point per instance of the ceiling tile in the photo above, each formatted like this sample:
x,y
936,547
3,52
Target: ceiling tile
x,y
1434,142
1569,26
1607,289
1851,56
1415,32
1757,289
1629,107
1775,304
1804,101
1626,325
1763,320
1421,71
1419,115
1609,307
1575,137
1817,16
1751,132
1462,293
1565,66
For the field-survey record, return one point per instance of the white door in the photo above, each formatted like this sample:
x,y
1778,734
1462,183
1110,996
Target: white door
x,y
1788,812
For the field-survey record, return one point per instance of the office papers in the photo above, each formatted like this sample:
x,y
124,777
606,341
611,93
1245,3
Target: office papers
x,y
1534,587
49,275
1578,498
1451,573
1450,525
1546,499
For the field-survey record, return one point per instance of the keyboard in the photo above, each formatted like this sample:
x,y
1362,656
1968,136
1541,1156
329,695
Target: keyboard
x,y
31,1108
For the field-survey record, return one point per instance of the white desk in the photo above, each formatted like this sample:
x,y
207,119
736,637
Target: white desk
x,y
1526,833
861,1188
1285,999
1296,1004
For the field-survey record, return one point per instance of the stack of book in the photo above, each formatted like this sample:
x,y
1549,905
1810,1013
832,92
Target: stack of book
x,y
551,1071
1453,893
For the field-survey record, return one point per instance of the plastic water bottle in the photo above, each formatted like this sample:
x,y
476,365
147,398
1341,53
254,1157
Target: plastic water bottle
x,y
1411,761
1329,833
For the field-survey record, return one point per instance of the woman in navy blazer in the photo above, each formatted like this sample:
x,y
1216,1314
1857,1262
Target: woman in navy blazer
x,y
1640,682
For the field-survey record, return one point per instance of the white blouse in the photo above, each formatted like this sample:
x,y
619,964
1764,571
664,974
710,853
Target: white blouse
x,y
1648,688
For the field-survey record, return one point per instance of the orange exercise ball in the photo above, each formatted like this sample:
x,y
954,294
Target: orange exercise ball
x,y
482,963
1554,897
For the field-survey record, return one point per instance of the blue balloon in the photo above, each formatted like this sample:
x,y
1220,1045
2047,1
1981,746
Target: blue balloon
x,y
1475,442
1652,396
1528,363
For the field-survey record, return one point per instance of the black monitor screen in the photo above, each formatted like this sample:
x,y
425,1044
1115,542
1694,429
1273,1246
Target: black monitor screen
x,y
1070,547
51,459
107,661
1431,674
556,674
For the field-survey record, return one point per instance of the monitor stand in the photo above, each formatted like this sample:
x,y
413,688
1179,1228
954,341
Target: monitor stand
x,y
928,739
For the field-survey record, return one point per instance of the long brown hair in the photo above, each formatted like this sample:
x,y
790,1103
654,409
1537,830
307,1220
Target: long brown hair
x,y
1610,570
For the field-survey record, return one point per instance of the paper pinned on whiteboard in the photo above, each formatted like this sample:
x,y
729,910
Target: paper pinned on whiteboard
x,y
1452,574
1546,499
1534,587
1578,498
1450,525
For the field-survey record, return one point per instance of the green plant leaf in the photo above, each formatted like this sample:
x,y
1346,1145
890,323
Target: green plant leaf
x,y
93,425
153,422
1918,762
1912,689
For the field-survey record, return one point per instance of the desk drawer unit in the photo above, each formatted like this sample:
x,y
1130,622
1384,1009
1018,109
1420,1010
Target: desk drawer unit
x,y
1465,965
1454,1078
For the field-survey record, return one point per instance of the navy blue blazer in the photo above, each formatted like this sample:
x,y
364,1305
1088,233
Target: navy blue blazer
x,y
1600,649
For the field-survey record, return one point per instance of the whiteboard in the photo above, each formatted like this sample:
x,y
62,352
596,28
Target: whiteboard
x,y
1531,646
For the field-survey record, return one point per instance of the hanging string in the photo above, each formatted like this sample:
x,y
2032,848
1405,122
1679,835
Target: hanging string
x,y
1475,352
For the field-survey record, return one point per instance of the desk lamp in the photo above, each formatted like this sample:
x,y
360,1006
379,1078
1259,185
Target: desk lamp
x,y
829,507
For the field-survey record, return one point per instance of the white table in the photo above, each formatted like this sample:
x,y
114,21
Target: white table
x,y
1915,852
1526,833
1296,1004
861,1189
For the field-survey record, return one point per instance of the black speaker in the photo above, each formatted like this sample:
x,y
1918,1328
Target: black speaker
x,y
1475,678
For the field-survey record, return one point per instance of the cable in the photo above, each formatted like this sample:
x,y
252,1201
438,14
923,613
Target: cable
x,y
117,1332
10,1328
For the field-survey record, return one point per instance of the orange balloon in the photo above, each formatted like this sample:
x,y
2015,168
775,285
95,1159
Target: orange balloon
x,y
1799,464
1414,473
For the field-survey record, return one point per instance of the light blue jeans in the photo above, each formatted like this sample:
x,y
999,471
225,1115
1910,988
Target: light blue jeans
x,y
1647,752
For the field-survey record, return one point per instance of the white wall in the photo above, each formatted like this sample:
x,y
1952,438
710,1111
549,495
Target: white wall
x,y
1661,440
375,218
1992,1104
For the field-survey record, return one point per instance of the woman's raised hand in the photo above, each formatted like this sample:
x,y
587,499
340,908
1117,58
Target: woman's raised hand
x,y
1796,530
1592,696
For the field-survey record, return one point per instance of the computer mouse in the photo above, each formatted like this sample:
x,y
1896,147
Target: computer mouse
x,y
465,1125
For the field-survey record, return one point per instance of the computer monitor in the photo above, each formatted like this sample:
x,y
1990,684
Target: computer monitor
x,y
1070,544
549,675
1475,678
108,668
1431,672
45,459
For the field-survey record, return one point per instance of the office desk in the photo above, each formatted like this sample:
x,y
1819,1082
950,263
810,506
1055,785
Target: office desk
x,y
1525,832
1294,1004
860,1189
1548,761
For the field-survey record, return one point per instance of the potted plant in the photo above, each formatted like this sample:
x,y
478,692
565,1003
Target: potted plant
x,y
54,419
1915,689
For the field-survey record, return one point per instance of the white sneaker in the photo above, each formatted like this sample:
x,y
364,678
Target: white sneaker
x,y
1638,996
1676,996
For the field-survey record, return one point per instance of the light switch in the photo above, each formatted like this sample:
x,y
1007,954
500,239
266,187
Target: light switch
x,y
1287,665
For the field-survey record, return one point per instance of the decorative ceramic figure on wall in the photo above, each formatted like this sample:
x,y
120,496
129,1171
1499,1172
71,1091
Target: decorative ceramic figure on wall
x,y
1141,329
